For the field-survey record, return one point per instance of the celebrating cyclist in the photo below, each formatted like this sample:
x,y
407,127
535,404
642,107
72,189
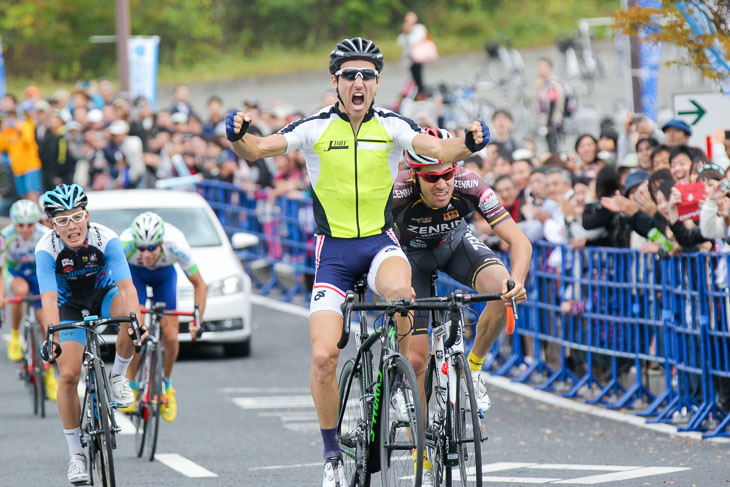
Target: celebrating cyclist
x,y
81,266
430,202
352,150
152,248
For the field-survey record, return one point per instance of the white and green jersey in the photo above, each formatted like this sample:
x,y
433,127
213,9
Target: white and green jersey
x,y
175,250
351,175
17,256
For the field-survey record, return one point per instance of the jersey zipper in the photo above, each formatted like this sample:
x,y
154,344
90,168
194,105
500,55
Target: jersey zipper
x,y
357,194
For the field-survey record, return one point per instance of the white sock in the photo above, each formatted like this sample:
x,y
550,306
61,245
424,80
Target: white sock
x,y
120,365
73,438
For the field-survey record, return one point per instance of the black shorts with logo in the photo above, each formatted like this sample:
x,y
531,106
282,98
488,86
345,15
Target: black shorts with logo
x,y
462,257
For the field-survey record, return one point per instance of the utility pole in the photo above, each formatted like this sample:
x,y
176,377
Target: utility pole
x,y
123,28
635,45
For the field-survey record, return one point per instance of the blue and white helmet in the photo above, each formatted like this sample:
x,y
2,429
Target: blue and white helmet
x,y
148,229
64,197
24,212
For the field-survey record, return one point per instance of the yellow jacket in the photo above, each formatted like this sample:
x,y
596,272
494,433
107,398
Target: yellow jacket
x,y
22,148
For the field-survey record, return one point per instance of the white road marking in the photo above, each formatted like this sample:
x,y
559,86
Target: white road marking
x,y
281,467
279,306
183,465
515,480
560,466
264,390
125,423
312,427
496,467
274,402
289,416
617,476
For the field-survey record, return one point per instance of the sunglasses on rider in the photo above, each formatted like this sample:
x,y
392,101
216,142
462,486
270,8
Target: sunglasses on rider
x,y
351,74
64,220
433,177
151,248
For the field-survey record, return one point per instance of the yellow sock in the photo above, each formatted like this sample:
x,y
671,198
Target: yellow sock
x,y
475,363
14,334
426,464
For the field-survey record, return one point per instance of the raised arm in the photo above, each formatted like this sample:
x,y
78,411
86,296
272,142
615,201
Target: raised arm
x,y
454,149
251,147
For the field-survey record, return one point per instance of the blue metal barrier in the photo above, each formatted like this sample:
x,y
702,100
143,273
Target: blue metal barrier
x,y
592,315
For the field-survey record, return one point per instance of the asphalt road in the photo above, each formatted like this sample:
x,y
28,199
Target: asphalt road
x,y
251,422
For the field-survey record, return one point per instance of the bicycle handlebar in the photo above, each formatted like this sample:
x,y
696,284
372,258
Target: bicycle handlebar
x,y
92,323
23,299
450,303
196,330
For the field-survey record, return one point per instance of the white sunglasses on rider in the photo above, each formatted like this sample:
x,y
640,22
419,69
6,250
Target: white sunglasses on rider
x,y
64,220
351,74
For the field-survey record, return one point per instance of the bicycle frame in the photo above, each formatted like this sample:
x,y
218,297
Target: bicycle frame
x,y
32,368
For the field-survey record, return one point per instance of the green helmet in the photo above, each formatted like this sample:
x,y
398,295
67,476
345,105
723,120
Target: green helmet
x,y
24,212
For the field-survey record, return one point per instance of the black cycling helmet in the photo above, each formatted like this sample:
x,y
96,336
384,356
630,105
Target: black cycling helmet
x,y
355,48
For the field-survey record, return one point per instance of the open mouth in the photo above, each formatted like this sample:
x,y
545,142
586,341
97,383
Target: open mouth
x,y
74,237
358,99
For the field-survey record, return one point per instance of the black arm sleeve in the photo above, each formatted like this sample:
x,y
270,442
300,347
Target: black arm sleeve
x,y
595,216
688,238
642,223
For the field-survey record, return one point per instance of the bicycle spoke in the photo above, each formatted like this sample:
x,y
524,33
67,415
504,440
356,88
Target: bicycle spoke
x,y
354,427
468,430
402,432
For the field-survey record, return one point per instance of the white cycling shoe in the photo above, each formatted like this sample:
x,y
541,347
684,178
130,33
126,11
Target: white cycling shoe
x,y
427,479
334,473
78,473
480,390
121,392
399,407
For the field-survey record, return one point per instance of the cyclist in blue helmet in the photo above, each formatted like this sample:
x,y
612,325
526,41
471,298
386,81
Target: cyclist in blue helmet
x,y
81,266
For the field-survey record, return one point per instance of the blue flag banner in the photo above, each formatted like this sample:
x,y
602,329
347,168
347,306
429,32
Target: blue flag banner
x,y
3,88
699,22
650,57
143,53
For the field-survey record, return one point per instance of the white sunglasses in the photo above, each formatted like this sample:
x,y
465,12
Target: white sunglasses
x,y
64,220
351,74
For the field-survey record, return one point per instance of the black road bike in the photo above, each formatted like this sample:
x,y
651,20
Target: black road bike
x,y
98,426
380,426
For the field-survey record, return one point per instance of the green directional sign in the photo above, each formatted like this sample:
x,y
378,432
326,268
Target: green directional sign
x,y
699,111
704,112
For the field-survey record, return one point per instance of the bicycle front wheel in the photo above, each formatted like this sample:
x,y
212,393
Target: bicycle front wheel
x,y
139,418
104,460
468,434
152,425
353,429
401,425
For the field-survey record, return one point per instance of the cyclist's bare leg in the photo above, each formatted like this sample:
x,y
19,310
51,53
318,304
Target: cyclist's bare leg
x,y
418,357
125,346
325,328
19,287
494,317
69,366
170,343
393,281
